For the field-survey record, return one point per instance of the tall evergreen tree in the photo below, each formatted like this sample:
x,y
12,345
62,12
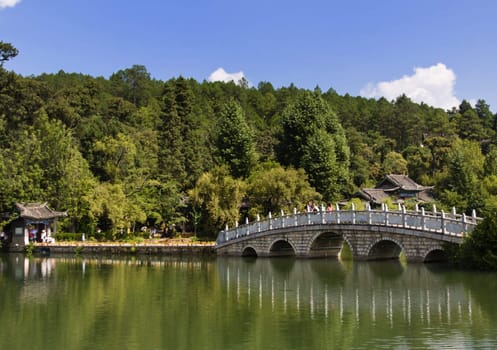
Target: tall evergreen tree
x,y
314,140
235,140
171,155
483,111
7,52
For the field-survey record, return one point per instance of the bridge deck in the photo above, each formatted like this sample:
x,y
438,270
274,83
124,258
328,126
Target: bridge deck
x,y
446,225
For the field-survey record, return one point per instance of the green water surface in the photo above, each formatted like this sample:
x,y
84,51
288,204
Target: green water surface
x,y
232,303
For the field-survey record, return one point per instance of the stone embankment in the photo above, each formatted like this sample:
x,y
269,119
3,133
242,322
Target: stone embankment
x,y
167,247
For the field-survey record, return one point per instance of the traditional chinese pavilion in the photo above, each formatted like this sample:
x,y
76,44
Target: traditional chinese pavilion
x,y
35,222
398,188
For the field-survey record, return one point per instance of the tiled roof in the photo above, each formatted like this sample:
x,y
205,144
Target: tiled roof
x,y
38,211
373,194
392,183
395,181
425,196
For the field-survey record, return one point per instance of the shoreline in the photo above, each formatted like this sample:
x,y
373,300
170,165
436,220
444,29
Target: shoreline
x,y
163,247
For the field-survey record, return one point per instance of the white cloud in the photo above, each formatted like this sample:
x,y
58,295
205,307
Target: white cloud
x,y
8,3
221,75
433,85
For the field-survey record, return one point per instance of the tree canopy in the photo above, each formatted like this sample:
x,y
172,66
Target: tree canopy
x,y
132,151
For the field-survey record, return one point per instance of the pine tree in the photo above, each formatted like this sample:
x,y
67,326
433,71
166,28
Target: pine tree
x,y
235,140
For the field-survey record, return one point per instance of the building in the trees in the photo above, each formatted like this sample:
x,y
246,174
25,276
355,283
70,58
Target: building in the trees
x,y
33,222
397,188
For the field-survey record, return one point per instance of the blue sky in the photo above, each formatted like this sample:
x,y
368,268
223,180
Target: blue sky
x,y
433,50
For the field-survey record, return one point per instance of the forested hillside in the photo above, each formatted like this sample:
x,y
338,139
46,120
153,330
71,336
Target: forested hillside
x,y
131,151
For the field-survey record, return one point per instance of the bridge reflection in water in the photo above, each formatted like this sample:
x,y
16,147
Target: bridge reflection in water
x,y
361,292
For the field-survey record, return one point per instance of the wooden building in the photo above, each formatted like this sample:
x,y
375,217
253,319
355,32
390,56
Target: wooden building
x,y
34,222
398,188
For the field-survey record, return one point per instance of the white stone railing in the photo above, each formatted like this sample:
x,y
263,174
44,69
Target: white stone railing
x,y
451,224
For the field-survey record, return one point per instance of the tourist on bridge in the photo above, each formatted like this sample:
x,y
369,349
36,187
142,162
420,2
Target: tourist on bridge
x,y
312,208
329,208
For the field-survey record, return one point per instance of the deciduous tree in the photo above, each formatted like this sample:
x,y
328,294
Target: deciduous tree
x,y
272,188
218,196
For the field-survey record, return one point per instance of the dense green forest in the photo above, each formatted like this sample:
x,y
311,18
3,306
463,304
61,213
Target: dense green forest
x,y
131,151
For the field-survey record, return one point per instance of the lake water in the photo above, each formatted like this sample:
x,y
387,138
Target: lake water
x,y
233,303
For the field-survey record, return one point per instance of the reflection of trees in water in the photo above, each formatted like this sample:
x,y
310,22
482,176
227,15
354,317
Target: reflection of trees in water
x,y
119,301
480,286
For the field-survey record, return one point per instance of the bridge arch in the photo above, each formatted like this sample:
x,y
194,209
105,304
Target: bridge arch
x,y
436,254
385,248
325,244
249,251
281,247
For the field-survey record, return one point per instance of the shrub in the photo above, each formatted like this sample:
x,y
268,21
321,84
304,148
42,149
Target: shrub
x,y
479,249
68,236
29,249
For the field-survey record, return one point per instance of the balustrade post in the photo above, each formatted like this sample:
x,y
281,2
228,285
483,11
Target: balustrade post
x,y
282,218
454,214
270,221
352,207
404,223
338,213
308,217
416,208
296,218
473,214
423,218
258,223
434,210
442,215
236,228
464,223
322,214
399,207
368,209
247,225
385,211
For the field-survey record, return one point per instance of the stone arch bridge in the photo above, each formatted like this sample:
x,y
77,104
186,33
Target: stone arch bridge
x,y
370,234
